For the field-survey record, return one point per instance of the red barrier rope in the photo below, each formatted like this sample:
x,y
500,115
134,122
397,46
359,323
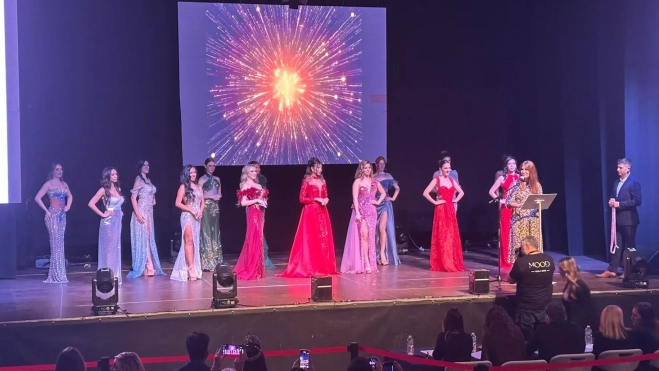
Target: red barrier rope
x,y
373,351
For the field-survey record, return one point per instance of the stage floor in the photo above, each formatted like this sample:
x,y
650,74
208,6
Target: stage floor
x,y
27,298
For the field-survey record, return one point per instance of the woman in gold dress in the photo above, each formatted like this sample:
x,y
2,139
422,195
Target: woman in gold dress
x,y
524,223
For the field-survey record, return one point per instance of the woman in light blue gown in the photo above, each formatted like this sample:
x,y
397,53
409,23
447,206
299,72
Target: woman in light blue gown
x,y
109,231
385,239
60,200
190,199
142,237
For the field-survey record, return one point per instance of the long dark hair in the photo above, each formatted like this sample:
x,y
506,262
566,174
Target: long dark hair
x,y
499,324
140,164
52,170
310,165
377,160
506,159
453,321
187,183
648,318
70,359
107,184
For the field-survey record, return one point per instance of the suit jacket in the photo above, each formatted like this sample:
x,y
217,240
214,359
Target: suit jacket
x,y
629,198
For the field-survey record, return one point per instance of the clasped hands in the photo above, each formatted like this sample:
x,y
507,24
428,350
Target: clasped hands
x,y
613,203
322,201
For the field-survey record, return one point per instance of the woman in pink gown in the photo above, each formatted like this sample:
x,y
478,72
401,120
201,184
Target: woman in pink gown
x,y
359,254
251,262
445,247
505,181
313,247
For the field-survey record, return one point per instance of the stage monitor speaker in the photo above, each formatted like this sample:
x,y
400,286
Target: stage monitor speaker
x,y
321,288
479,281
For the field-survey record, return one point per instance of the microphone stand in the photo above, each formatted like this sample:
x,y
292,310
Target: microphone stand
x,y
498,277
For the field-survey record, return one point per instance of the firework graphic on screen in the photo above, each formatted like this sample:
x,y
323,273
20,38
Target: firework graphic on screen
x,y
285,84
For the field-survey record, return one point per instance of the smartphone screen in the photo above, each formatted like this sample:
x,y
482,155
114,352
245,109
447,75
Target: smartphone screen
x,y
388,366
304,358
232,349
372,361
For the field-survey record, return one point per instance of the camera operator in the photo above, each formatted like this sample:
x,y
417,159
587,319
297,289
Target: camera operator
x,y
533,272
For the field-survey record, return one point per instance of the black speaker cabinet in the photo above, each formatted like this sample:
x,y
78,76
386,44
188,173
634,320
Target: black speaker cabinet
x,y
479,281
321,288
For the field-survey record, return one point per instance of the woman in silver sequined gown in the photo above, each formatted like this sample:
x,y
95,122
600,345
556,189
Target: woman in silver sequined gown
x,y
142,237
190,200
211,244
109,230
60,199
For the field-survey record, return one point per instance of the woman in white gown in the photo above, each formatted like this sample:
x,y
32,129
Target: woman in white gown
x,y
190,199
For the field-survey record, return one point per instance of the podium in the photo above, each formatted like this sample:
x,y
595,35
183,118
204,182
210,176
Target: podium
x,y
538,202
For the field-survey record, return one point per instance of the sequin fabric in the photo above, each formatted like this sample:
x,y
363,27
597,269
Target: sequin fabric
x,y
353,260
210,243
56,225
109,238
251,262
142,237
180,271
523,223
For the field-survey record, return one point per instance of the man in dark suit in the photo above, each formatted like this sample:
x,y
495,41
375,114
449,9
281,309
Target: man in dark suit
x,y
625,198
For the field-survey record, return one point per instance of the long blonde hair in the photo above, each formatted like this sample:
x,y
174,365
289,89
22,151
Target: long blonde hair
x,y
569,269
360,169
611,323
243,176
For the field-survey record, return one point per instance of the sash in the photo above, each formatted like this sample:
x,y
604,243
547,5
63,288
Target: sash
x,y
614,242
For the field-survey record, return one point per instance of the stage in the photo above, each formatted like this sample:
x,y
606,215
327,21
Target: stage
x,y
377,310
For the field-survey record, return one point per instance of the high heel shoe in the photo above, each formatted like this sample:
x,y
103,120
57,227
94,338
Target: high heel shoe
x,y
191,277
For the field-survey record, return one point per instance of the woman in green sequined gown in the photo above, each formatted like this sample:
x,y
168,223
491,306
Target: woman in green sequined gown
x,y
211,245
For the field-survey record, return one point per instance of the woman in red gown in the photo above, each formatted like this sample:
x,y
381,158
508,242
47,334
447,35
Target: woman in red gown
x,y
251,262
445,247
505,181
313,247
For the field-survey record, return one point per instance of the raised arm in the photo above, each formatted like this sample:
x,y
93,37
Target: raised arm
x,y
494,190
426,193
92,203
39,197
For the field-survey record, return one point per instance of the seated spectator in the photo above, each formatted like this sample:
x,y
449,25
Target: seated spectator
x,y
197,346
453,343
612,334
557,336
128,361
253,359
645,331
70,359
359,364
577,301
503,341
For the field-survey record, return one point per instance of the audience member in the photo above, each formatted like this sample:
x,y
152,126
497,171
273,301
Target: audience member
x,y
558,336
645,331
197,346
70,359
533,272
578,303
612,334
503,341
128,361
254,359
359,364
453,343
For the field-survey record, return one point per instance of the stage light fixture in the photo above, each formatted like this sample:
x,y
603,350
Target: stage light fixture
x,y
105,283
636,270
225,287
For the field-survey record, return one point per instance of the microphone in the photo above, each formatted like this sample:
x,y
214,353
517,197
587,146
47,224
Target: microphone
x,y
495,200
